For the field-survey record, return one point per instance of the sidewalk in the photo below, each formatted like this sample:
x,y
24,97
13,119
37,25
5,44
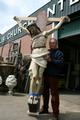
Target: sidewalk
x,y
70,106
15,107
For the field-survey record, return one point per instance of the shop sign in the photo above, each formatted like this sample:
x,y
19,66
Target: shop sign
x,y
14,32
60,4
10,34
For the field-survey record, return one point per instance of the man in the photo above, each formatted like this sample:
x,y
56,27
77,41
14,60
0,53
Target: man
x,y
51,74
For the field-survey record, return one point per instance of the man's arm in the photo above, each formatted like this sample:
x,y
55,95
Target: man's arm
x,y
58,57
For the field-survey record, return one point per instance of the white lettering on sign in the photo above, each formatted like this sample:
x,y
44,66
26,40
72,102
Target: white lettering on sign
x,y
52,11
61,4
25,24
14,32
73,2
11,34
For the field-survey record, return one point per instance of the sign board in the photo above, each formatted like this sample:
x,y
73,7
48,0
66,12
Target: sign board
x,y
54,8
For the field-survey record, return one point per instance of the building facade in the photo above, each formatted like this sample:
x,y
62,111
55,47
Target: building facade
x,y
68,37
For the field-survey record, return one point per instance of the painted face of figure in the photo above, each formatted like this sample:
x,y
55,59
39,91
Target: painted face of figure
x,y
53,43
34,29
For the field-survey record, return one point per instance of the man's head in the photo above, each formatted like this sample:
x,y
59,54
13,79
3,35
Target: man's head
x,y
53,43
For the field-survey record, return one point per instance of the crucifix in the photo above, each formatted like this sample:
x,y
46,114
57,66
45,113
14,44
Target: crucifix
x,y
37,30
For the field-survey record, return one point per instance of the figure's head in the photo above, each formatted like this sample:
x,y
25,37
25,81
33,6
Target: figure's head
x,y
34,29
53,43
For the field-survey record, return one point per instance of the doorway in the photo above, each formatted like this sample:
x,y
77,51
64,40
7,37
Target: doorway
x,y
71,49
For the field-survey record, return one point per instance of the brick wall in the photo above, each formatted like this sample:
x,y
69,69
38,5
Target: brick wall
x,y
25,45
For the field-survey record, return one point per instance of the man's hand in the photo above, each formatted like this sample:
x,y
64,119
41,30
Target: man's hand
x,y
47,57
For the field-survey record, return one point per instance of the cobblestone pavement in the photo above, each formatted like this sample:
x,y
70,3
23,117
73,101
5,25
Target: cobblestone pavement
x,y
15,107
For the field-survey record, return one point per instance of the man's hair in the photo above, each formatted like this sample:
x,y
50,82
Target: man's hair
x,y
53,39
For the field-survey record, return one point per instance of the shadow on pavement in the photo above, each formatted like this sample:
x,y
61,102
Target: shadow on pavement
x,y
63,116
19,94
70,116
69,92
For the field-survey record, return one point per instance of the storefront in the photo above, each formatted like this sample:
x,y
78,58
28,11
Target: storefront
x,y
68,37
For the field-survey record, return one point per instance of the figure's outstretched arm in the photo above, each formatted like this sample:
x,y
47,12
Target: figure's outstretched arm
x,y
20,24
63,19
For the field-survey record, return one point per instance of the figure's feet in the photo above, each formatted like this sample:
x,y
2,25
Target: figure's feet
x,y
30,100
36,100
33,99
33,104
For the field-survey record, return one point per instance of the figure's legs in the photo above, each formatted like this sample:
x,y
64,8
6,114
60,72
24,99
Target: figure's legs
x,y
33,101
33,77
39,80
36,73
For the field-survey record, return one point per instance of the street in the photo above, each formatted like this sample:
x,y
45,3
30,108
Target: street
x,y
15,107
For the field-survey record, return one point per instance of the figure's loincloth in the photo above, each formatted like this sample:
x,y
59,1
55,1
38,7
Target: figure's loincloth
x,y
39,52
38,56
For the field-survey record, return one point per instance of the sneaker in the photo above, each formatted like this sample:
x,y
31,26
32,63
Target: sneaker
x,y
44,112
